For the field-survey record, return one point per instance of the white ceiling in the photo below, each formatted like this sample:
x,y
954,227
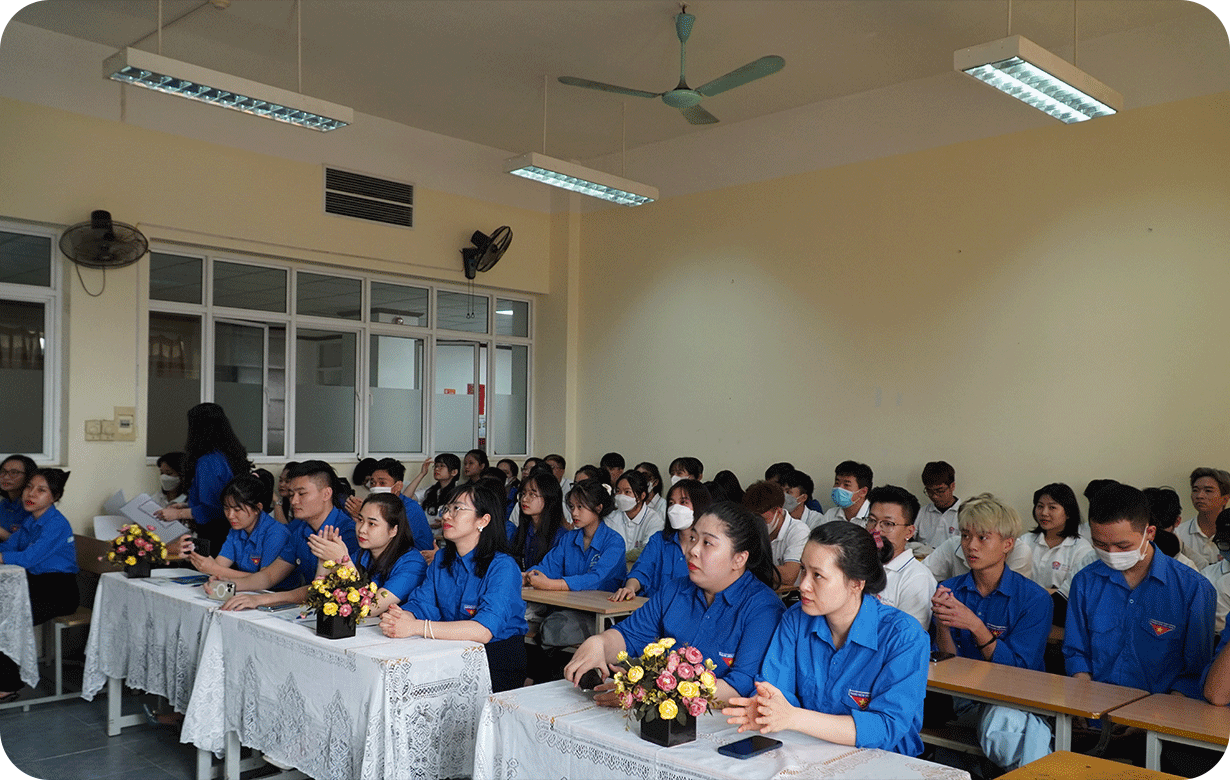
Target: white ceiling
x,y
474,69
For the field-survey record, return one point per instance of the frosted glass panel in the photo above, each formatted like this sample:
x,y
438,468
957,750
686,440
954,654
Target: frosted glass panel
x,y
239,380
174,379
324,391
456,397
510,404
396,418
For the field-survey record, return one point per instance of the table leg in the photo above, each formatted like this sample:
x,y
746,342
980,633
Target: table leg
x,y
231,759
1153,752
115,693
204,765
1063,732
599,623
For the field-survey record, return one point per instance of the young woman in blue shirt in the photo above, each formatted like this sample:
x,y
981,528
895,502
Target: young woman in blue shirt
x,y
215,456
842,666
255,539
44,547
540,519
663,557
15,472
726,607
472,590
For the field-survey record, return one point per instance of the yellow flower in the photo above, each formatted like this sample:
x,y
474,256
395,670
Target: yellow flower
x,y
668,709
111,556
667,642
708,681
163,552
621,656
130,561
689,689
654,649
328,564
329,608
635,674
353,597
363,612
344,573
709,664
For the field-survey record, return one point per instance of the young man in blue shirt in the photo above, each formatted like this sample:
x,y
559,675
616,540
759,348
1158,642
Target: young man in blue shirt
x,y
991,613
388,476
1136,618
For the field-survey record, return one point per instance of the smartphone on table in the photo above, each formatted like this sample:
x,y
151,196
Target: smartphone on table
x,y
752,746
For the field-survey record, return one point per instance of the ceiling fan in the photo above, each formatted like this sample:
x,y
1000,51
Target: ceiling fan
x,y
683,97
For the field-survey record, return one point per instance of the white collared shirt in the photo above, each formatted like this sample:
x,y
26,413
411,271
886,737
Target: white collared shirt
x,y
837,513
1219,574
948,560
811,518
910,587
790,541
1051,566
658,504
635,530
934,527
1195,545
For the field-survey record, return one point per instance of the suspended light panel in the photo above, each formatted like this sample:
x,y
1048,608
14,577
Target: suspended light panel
x,y
578,178
1021,68
163,74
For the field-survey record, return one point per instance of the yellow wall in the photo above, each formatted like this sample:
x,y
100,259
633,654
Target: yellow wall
x,y
58,166
1044,306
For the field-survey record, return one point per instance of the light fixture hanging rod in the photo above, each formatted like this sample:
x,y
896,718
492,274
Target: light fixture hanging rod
x,y
159,28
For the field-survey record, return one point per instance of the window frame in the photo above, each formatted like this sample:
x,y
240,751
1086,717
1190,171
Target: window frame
x,y
54,374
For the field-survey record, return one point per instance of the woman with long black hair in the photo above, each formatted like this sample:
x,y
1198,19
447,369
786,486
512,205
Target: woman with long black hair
x,y
215,456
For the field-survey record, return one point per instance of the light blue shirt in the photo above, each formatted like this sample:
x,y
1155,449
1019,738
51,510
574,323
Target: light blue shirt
x,y
734,631
1157,636
457,593
601,567
878,677
42,544
660,562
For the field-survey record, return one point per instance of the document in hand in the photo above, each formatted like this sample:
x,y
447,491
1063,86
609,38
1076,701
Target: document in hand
x,y
141,510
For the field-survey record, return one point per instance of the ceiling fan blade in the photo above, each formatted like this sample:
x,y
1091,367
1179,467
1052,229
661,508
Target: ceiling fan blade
x,y
756,69
587,84
698,116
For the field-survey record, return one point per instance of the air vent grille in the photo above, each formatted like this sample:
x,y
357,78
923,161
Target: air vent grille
x,y
356,195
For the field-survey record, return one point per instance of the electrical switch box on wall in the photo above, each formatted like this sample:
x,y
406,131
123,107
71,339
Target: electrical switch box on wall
x,y
122,428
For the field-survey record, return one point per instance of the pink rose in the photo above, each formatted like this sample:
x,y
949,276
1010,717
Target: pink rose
x,y
696,707
344,610
339,595
150,527
625,701
685,671
672,661
692,655
638,693
667,682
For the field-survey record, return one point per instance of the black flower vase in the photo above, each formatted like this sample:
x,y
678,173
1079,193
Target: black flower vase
x,y
669,732
334,626
137,570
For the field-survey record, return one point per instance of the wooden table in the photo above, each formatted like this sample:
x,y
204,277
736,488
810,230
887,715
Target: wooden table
x,y
1063,765
595,601
1025,689
1175,719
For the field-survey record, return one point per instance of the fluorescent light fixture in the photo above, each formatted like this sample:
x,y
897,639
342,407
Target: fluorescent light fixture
x,y
1021,68
578,178
507,313
153,71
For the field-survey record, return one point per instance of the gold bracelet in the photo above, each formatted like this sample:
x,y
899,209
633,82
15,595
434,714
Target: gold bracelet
x,y
425,622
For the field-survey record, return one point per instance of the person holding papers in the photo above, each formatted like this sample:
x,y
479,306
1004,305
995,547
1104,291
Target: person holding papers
x,y
842,666
14,473
215,455
44,547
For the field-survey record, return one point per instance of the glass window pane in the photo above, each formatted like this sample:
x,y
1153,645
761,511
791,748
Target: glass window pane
x,y
239,380
462,311
249,286
455,398
324,391
512,318
510,404
398,305
175,278
174,379
275,392
22,346
395,424
25,260
328,296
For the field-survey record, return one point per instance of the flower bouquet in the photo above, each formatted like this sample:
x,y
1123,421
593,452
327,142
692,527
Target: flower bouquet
x,y
137,549
666,689
340,597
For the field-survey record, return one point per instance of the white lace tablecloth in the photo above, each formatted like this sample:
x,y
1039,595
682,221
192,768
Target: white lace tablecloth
x,y
147,631
362,707
555,730
17,623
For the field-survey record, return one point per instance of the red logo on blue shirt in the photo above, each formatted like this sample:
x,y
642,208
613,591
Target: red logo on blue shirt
x,y
729,658
1160,628
861,698
996,631
256,560
470,610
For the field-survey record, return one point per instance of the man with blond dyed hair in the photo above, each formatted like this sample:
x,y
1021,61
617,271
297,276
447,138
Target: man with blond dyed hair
x,y
1210,494
991,613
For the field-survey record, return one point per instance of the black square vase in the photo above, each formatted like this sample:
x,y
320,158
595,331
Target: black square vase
x,y
334,626
669,733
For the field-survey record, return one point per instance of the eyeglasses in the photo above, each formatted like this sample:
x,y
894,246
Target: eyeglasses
x,y
885,525
453,509
13,473
937,491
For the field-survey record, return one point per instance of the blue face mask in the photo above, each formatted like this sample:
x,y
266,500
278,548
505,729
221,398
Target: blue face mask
x,y
842,497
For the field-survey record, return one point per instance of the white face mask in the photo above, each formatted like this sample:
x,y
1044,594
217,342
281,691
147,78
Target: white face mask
x,y
792,503
1122,561
169,482
776,522
624,503
675,478
680,516
375,490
